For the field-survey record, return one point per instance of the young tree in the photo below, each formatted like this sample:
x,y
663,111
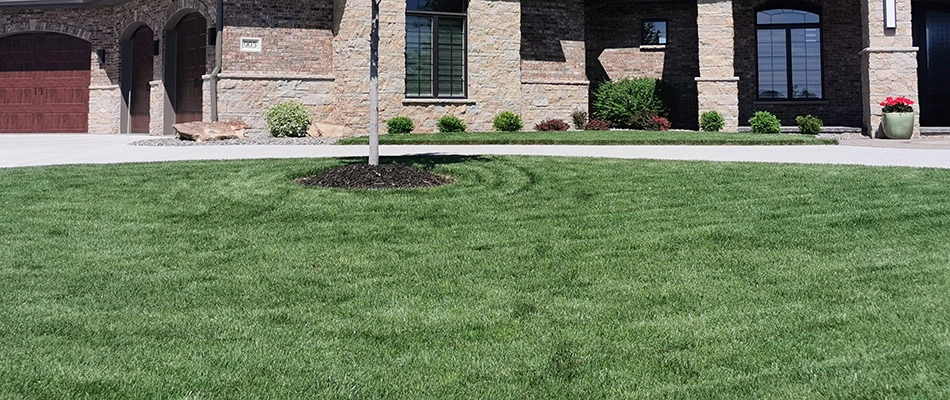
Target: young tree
x,y
374,86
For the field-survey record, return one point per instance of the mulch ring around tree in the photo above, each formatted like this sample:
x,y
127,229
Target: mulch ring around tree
x,y
384,176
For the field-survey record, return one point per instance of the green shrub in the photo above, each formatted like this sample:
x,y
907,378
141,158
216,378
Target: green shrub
x,y
711,121
765,122
580,119
398,125
288,119
551,125
507,121
616,101
808,125
450,124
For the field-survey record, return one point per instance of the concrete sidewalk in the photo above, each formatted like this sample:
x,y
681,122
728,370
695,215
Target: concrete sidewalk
x,y
39,150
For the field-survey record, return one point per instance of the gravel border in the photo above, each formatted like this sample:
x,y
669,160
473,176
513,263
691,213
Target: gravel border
x,y
249,141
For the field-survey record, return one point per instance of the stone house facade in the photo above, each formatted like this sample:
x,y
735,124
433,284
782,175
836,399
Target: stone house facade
x,y
147,64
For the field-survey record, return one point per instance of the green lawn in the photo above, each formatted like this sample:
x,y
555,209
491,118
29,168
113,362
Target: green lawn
x,y
528,278
597,138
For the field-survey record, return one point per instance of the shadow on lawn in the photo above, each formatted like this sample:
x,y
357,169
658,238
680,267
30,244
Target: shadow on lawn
x,y
425,161
409,172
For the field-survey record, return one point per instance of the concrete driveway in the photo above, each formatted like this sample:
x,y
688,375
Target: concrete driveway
x,y
39,150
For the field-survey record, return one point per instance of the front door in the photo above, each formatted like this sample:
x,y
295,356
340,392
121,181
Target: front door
x,y
192,58
932,35
142,50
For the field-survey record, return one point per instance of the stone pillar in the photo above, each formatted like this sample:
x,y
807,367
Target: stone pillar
x,y
156,104
888,62
104,103
717,84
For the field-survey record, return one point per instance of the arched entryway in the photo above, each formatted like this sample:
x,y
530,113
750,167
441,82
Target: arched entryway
x,y
185,64
44,83
138,52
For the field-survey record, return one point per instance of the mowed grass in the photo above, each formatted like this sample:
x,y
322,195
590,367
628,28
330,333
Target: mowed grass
x,y
528,278
597,138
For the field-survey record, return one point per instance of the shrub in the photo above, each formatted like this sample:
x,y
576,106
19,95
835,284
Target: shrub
x,y
662,124
451,123
645,120
617,101
508,121
711,121
765,122
552,125
399,125
808,125
597,125
580,119
288,119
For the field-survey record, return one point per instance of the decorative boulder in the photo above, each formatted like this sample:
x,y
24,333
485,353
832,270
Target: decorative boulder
x,y
208,131
330,130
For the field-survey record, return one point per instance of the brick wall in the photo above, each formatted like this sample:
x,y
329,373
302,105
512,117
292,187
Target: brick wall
x,y
841,29
297,36
614,52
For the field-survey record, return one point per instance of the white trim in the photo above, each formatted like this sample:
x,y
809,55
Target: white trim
x,y
273,77
889,50
553,82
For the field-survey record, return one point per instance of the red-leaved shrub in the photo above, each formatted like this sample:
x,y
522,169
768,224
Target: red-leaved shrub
x,y
552,125
662,124
597,125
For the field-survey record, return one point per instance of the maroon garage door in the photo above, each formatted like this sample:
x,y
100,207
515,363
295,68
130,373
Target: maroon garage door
x,y
44,83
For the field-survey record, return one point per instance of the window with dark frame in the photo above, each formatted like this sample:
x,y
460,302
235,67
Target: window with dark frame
x,y
789,54
436,43
653,32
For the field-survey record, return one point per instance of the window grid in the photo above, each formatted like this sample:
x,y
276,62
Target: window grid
x,y
789,54
435,50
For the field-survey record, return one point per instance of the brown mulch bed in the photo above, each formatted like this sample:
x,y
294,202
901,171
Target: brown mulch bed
x,y
384,176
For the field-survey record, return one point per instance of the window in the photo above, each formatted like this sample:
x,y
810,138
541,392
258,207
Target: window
x,y
653,32
789,54
436,48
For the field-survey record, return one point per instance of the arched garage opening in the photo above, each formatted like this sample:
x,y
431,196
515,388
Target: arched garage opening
x,y
185,63
44,83
138,52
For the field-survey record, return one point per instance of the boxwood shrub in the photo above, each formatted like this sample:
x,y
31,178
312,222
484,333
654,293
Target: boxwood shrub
x,y
288,119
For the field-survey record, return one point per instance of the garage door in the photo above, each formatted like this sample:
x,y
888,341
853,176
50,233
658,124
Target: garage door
x,y
44,83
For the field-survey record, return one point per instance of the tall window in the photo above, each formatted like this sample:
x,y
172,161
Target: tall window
x,y
789,54
435,48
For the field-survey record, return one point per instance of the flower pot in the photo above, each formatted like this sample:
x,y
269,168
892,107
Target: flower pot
x,y
899,125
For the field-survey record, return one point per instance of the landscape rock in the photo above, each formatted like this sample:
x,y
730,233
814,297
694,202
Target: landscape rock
x,y
324,129
209,131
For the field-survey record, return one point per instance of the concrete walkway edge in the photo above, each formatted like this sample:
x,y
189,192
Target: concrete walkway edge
x,y
42,150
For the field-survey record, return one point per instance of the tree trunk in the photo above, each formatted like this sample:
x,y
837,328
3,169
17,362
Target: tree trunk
x,y
374,87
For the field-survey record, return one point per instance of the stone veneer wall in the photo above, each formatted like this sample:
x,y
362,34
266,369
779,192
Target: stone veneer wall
x,y
888,62
104,28
493,66
841,64
615,49
717,86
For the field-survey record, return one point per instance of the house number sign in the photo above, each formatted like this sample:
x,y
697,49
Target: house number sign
x,y
251,44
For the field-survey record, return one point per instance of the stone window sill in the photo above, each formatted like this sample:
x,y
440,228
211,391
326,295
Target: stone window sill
x,y
434,101
790,102
653,47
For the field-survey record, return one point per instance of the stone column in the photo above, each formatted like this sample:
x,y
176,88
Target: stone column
x,y
717,84
156,105
888,62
